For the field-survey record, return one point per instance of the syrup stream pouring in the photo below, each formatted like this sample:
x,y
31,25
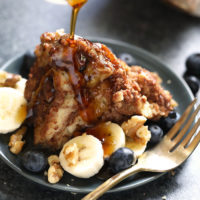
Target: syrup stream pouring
x,y
76,6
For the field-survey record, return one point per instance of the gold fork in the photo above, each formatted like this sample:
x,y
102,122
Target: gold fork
x,y
171,152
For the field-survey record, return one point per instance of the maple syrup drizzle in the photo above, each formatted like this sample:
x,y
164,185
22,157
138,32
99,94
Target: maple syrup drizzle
x,y
72,67
73,21
76,77
76,6
37,91
102,132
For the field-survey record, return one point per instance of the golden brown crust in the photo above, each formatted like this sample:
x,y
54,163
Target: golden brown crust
x,y
77,83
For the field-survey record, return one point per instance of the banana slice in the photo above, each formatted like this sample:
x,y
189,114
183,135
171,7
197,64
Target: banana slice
x,y
111,136
12,80
82,156
137,146
12,109
137,135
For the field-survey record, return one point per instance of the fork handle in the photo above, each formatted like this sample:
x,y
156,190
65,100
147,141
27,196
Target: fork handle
x,y
111,182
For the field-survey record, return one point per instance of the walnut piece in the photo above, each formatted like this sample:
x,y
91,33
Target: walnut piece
x,y
144,134
71,154
8,79
53,159
118,96
131,126
55,171
137,134
16,144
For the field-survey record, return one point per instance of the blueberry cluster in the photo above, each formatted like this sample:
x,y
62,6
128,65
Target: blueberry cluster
x,y
192,74
123,158
160,128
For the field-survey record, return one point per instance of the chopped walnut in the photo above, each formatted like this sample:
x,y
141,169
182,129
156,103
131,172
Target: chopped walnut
x,y
16,144
55,171
118,96
137,134
131,126
59,33
8,79
53,159
144,134
71,154
134,128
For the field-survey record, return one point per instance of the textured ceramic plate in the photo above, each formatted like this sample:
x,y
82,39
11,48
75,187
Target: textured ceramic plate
x,y
171,82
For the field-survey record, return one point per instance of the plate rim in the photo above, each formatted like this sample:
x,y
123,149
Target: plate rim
x,y
147,56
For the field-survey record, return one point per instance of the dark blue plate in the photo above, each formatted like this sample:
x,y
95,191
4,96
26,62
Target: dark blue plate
x,y
171,82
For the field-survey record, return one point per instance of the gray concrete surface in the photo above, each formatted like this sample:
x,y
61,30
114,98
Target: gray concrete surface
x,y
163,31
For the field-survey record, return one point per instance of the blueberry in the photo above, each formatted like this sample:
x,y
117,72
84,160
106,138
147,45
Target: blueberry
x,y
29,59
156,133
121,159
127,58
186,74
193,64
34,161
168,122
193,83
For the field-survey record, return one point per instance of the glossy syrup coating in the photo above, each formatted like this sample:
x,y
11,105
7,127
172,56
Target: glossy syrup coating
x,y
76,83
76,6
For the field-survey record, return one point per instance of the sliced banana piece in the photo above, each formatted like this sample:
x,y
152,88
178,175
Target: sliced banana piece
x,y
111,136
13,109
137,135
137,145
14,80
82,156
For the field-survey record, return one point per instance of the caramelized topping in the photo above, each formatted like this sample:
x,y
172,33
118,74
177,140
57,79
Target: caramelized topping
x,y
101,131
104,135
37,91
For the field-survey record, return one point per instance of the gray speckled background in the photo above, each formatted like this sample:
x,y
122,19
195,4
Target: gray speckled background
x,y
164,31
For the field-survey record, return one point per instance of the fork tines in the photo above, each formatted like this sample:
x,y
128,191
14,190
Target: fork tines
x,y
182,138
